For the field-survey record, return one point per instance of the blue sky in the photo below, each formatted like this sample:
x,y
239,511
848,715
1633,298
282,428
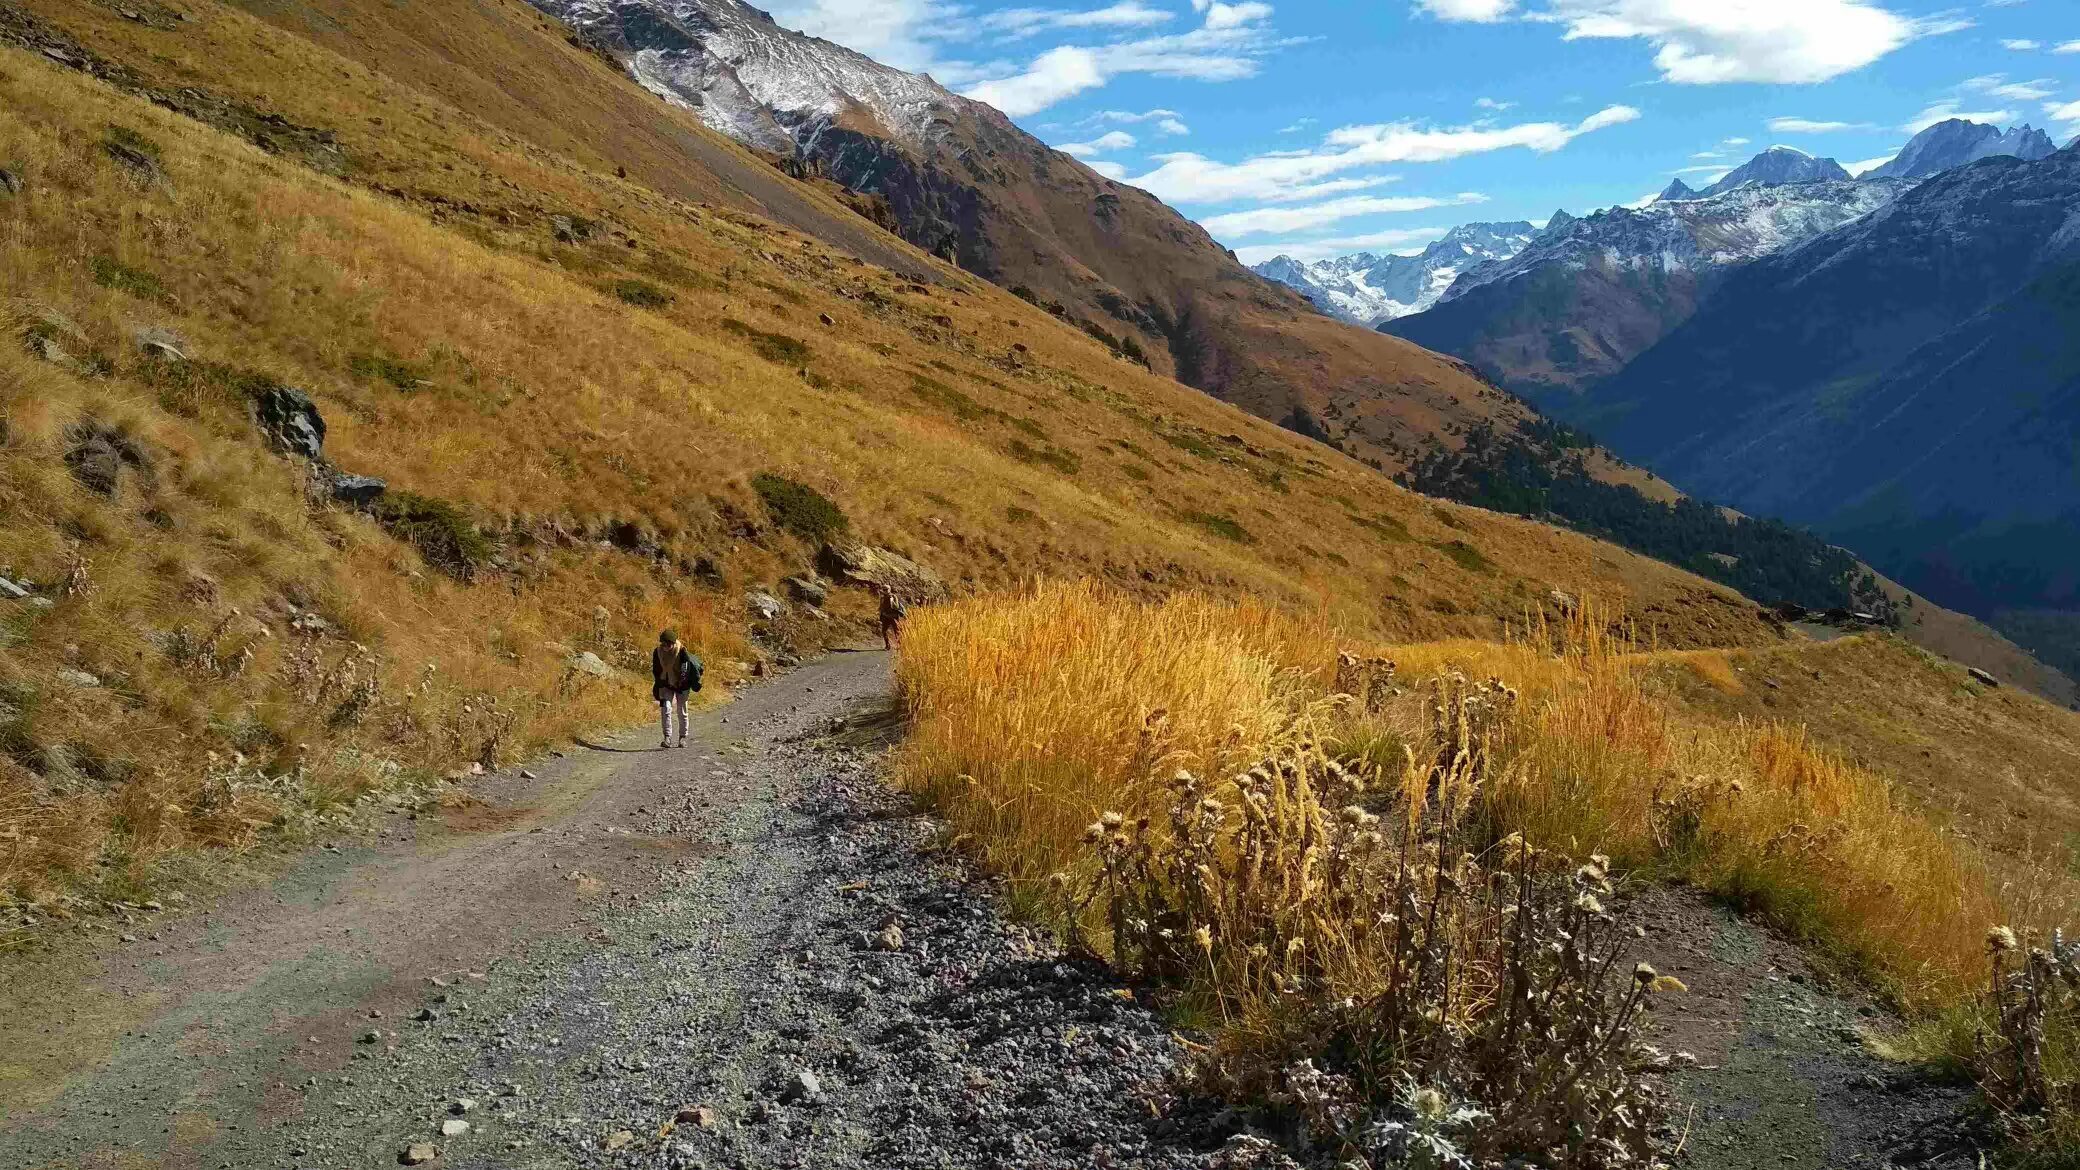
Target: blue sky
x,y
1316,127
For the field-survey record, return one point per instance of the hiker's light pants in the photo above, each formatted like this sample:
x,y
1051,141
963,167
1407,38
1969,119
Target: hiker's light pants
x,y
664,714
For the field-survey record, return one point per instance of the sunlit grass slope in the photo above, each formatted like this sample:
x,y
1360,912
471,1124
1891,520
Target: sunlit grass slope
x,y
583,420
1033,714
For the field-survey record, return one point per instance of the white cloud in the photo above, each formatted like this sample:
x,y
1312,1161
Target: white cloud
x,y
1225,48
1262,220
1406,239
2068,47
1944,111
1999,86
1110,170
1737,142
1025,22
2068,112
2021,45
1809,126
1706,42
1714,168
1053,76
1167,121
1225,16
1708,154
1475,11
1287,175
1103,144
1296,127
1869,164
1492,104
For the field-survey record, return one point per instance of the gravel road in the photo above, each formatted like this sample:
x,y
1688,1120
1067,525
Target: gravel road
x,y
750,953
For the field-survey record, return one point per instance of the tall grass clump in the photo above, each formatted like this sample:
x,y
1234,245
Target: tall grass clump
x,y
1183,787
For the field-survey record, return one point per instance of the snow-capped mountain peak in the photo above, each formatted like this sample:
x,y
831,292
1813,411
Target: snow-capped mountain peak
x,y
761,84
1365,289
1776,166
1694,235
1955,142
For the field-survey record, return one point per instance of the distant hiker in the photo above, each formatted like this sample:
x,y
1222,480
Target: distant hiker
x,y
893,611
675,672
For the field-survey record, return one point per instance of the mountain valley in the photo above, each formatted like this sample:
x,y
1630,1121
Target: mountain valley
x,y
1519,703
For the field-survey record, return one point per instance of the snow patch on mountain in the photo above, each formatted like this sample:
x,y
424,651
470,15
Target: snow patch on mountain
x,y
1366,289
759,83
1746,223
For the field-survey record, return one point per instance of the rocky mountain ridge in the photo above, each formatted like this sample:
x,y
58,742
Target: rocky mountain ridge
x,y
962,181
1907,385
1581,301
1366,289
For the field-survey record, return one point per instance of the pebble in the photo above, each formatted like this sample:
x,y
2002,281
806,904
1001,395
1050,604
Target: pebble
x,y
454,1127
418,1154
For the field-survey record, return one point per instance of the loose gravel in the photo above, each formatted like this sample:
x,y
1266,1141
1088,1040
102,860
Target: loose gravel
x,y
825,988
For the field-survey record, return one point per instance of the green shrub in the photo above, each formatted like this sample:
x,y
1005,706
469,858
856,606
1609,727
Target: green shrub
x,y
111,273
1386,526
642,294
1466,556
197,389
377,367
947,398
1221,526
777,348
123,140
1060,460
799,508
441,532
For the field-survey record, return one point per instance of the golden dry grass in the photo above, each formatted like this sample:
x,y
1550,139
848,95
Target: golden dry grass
x,y
483,364
1032,714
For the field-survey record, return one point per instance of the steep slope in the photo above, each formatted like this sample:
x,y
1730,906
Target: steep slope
x,y
1908,384
596,410
964,183
1777,166
1955,142
1366,289
1582,301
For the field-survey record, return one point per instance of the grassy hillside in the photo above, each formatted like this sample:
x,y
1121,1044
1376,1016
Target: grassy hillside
x,y
571,430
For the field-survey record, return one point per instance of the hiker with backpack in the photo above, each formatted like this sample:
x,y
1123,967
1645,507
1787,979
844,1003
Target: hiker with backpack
x,y
893,611
675,672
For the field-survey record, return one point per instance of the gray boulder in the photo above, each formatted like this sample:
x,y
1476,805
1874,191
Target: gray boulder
x,y
589,663
290,421
161,344
764,606
807,590
12,591
10,182
100,454
356,490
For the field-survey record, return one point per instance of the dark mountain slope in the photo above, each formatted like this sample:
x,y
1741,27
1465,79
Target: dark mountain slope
x,y
1909,384
965,183
1585,299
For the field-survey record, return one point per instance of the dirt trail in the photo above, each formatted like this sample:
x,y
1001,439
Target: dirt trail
x,y
751,954
580,957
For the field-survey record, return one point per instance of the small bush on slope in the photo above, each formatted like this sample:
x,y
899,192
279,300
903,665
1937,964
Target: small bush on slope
x,y
1034,714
